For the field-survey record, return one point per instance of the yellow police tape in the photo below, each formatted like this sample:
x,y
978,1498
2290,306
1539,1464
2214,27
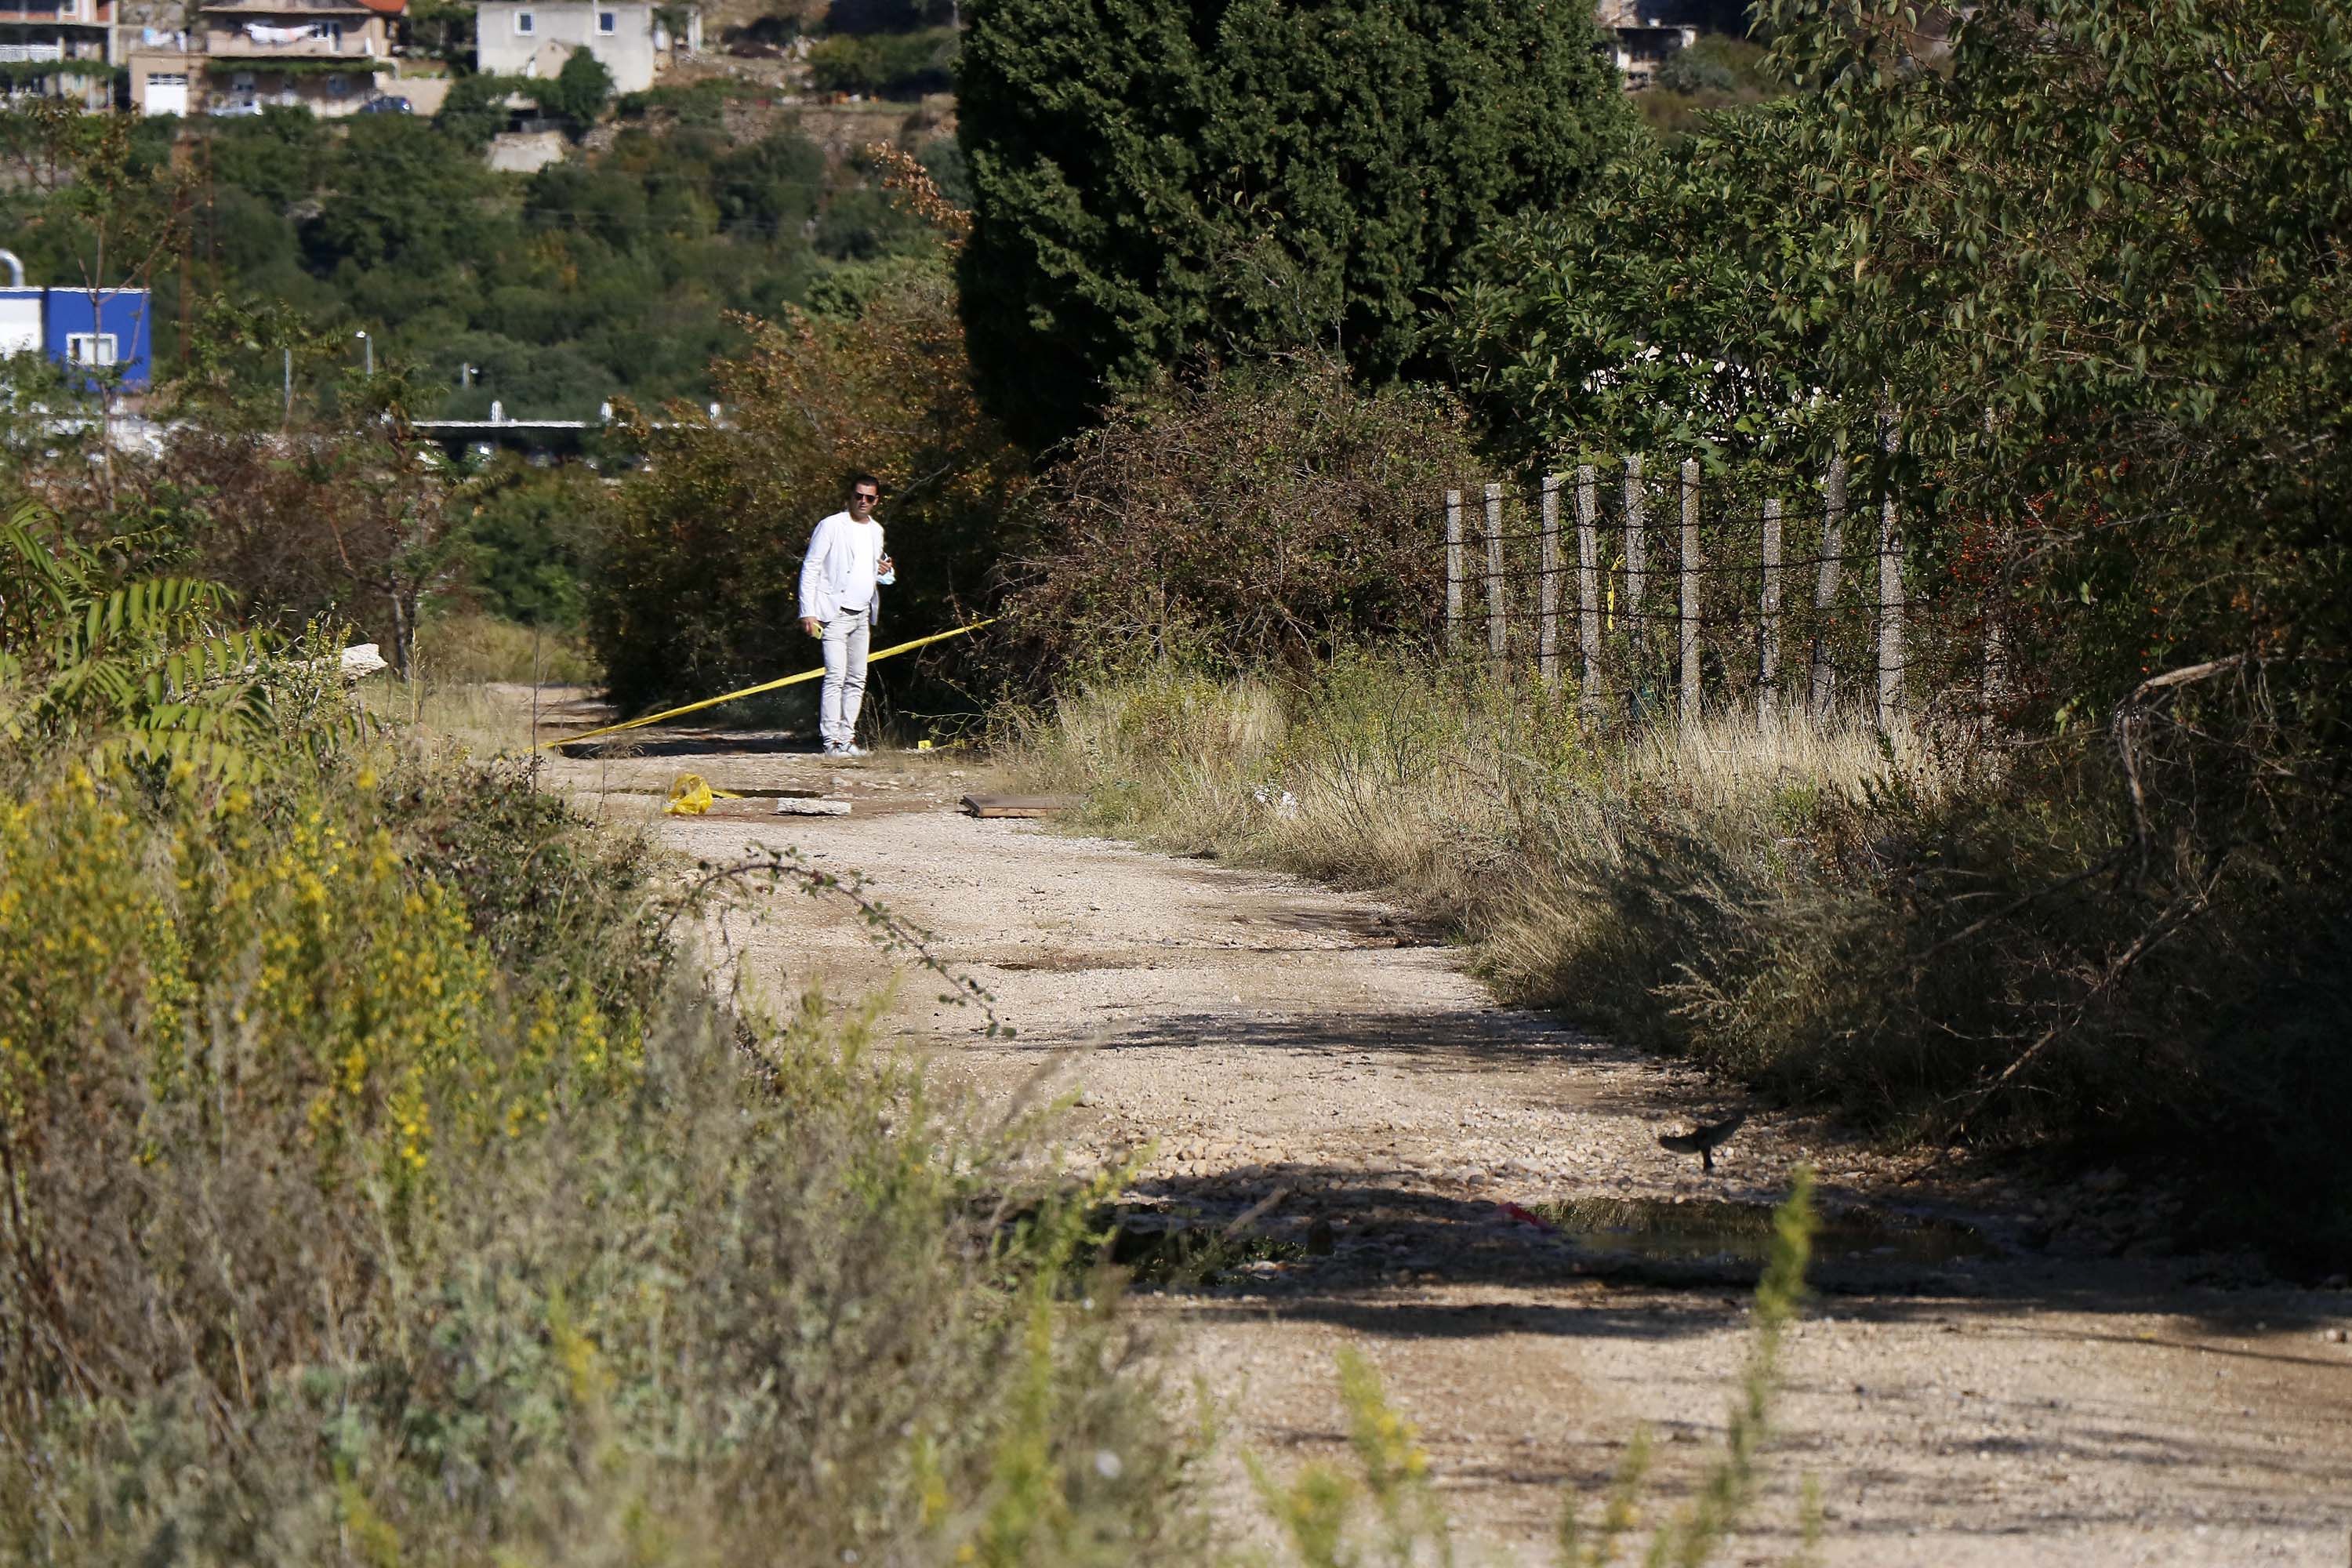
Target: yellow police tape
x,y
690,795
755,691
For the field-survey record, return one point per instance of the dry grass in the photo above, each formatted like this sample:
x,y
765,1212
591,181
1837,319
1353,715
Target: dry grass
x,y
1460,791
1708,888
466,646
1887,925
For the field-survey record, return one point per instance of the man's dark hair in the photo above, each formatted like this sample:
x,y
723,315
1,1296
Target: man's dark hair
x,y
866,479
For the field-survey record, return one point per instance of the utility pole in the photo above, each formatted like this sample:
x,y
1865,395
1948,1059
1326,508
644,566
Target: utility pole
x,y
367,345
286,364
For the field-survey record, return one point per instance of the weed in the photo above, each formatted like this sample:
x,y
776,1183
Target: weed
x,y
1381,1510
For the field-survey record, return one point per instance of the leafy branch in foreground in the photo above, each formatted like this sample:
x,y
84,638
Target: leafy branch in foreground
x,y
766,865
146,669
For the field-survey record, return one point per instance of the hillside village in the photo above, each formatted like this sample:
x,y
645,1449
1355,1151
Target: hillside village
x,y
336,57
718,152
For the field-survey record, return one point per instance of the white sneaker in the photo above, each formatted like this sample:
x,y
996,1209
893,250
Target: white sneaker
x,y
835,749
853,750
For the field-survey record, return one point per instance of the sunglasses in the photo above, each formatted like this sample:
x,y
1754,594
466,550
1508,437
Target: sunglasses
x,y
867,496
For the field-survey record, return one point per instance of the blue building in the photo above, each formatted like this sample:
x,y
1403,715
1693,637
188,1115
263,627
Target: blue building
x,y
77,326
102,326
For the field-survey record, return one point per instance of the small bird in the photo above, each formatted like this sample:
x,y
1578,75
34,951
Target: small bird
x,y
1702,1140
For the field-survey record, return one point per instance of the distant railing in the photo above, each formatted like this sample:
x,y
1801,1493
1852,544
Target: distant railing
x,y
27,54
243,44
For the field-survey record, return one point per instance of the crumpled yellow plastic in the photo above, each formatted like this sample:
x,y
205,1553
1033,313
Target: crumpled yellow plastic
x,y
691,795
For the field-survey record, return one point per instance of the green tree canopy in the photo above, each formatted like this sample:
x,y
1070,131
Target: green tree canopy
x,y
1244,174
579,90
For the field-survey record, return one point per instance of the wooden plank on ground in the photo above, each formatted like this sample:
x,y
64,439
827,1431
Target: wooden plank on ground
x,y
1019,804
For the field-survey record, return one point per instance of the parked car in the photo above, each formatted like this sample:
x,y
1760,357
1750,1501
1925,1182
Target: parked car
x,y
236,108
388,105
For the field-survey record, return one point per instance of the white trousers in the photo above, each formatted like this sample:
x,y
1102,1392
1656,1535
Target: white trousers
x,y
845,641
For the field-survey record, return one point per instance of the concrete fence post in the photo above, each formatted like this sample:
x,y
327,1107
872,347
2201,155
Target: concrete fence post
x,y
1688,625
1768,620
1637,539
1547,586
1453,571
1890,593
1826,585
1587,581
1497,627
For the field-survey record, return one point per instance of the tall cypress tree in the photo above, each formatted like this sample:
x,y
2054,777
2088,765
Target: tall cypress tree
x,y
1156,176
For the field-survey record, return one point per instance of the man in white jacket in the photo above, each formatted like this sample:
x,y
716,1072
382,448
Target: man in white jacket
x,y
839,597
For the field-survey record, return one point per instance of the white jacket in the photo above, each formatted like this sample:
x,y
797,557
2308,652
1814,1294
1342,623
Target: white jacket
x,y
829,569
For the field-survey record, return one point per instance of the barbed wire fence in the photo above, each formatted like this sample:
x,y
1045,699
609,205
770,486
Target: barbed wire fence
x,y
1658,592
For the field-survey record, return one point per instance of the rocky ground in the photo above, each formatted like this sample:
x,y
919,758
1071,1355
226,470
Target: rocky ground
x,y
1977,1383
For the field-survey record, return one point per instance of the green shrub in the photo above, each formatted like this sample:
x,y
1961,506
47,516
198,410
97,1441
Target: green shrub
x,y
1719,66
380,1187
887,65
699,104
1238,515
577,93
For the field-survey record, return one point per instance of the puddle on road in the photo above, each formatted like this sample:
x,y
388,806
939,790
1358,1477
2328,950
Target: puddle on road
x,y
1655,1230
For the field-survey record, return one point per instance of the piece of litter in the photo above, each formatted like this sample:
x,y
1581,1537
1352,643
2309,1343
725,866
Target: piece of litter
x,y
794,806
691,795
1286,805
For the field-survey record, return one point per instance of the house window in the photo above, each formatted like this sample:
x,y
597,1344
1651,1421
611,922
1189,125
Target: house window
x,y
89,348
337,85
608,22
525,24
241,82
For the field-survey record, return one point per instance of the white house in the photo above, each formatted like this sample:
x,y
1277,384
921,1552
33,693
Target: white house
x,y
75,41
1641,33
532,38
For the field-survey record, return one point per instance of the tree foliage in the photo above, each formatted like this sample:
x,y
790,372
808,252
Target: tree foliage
x,y
357,526
1245,175
611,273
2087,258
108,666
579,91
2089,263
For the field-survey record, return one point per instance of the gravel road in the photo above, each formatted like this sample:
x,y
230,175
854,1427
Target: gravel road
x,y
2016,1401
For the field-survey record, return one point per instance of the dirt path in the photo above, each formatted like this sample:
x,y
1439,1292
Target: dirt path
x,y
2019,1406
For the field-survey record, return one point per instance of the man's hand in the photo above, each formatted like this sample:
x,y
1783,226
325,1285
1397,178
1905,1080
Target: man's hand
x,y
811,625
